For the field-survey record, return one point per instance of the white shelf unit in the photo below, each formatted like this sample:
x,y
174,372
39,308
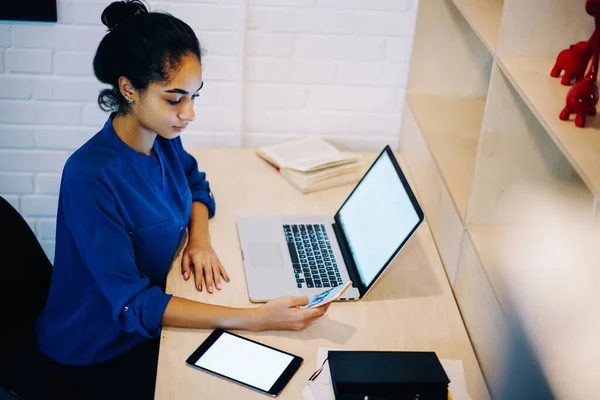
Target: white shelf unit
x,y
500,176
483,17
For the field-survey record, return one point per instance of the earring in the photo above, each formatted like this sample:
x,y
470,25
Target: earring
x,y
130,101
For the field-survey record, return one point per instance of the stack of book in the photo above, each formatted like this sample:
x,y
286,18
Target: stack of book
x,y
313,164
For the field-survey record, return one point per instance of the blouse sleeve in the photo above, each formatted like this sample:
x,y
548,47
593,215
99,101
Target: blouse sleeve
x,y
99,233
199,186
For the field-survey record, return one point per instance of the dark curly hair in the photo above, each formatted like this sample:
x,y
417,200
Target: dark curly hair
x,y
143,46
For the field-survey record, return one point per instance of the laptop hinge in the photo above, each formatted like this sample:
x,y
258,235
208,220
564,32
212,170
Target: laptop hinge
x,y
348,259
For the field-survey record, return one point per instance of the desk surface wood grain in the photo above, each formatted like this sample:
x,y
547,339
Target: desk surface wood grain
x,y
411,307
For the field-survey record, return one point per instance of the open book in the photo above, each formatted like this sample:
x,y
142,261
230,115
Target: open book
x,y
305,155
313,164
307,182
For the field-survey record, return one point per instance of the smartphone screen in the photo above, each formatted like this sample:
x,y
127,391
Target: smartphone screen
x,y
327,295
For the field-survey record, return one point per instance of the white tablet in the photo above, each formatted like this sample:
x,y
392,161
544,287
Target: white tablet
x,y
245,361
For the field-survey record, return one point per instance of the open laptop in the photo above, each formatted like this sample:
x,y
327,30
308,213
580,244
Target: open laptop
x,y
303,256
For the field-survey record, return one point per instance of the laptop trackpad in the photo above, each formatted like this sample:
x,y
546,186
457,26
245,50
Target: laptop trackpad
x,y
265,255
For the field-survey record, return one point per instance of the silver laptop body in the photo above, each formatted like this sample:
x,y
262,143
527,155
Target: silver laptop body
x,y
303,256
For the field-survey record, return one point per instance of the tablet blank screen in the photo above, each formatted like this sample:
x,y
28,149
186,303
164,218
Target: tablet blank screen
x,y
245,361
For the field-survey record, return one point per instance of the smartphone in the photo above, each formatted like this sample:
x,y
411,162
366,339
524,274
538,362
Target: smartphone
x,y
245,361
327,296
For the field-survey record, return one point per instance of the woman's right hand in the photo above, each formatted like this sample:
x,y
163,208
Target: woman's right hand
x,y
283,313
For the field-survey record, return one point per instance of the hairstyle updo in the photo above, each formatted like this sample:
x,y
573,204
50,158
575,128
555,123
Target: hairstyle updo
x,y
145,47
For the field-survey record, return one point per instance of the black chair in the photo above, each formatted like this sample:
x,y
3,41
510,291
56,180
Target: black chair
x,y
25,274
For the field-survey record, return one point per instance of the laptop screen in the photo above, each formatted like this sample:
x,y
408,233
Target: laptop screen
x,y
378,217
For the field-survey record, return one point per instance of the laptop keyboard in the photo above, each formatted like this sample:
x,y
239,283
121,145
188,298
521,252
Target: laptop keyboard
x,y
312,257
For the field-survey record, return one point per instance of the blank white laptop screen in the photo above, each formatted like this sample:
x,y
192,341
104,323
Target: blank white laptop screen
x,y
245,361
377,218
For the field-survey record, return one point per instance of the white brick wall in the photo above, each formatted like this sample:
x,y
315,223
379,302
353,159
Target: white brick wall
x,y
14,87
386,23
16,182
38,112
306,20
68,138
15,137
13,200
394,5
351,98
336,47
267,69
55,37
73,63
208,17
34,160
219,43
71,89
4,36
47,183
269,44
46,228
309,71
25,60
38,205
274,70
220,68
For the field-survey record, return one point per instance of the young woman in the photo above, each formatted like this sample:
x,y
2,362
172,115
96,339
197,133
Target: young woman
x,y
127,197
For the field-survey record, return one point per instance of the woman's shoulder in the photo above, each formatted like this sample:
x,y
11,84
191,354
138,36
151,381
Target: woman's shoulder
x,y
92,158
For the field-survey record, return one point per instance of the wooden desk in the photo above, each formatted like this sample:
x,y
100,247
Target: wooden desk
x,y
411,307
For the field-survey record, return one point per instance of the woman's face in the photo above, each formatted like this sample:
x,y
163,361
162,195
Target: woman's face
x,y
167,108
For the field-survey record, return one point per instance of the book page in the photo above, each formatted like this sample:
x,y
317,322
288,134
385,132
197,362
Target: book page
x,y
306,154
321,174
317,163
331,182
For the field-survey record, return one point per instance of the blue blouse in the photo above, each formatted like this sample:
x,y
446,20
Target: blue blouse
x,y
121,217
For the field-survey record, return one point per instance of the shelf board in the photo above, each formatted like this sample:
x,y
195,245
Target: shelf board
x,y
545,96
484,18
554,223
451,126
487,241
550,295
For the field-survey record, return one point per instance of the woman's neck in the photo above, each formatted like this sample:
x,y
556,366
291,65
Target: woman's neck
x,y
133,134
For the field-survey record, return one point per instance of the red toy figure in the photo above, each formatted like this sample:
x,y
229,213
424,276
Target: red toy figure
x,y
573,61
592,7
583,97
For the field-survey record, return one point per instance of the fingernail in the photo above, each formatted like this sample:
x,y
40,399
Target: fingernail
x,y
200,287
210,289
186,275
227,278
219,286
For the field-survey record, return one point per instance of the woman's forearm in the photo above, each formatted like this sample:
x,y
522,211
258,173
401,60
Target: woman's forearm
x,y
199,223
186,313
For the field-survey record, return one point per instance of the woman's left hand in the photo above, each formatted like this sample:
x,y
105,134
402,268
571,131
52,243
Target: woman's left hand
x,y
201,260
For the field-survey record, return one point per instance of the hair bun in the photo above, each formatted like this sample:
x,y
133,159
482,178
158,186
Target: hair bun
x,y
119,12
